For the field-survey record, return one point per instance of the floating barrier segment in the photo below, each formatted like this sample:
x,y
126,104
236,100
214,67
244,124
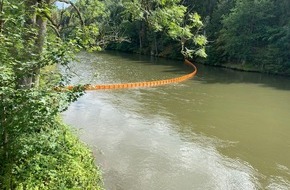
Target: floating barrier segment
x,y
142,84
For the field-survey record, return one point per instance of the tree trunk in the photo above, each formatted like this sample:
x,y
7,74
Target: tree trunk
x,y
1,20
141,36
29,80
155,45
4,135
6,171
41,24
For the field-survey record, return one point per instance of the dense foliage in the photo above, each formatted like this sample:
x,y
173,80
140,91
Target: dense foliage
x,y
159,28
36,150
249,34
243,34
51,158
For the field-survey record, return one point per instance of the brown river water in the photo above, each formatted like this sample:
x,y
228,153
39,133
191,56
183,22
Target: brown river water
x,y
222,129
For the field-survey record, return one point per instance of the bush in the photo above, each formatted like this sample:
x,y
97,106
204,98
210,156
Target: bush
x,y
51,159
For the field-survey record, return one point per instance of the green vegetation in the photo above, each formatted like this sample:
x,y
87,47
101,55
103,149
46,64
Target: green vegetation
x,y
36,150
51,158
158,27
241,33
251,33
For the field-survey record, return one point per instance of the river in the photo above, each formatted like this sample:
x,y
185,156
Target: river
x,y
223,129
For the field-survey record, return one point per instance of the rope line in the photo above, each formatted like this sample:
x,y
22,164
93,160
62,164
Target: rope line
x,y
142,84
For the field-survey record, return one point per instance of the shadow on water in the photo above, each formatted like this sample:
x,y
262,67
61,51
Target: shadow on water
x,y
178,67
212,75
208,74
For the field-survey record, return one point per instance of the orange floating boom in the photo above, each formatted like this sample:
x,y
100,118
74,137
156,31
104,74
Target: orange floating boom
x,y
142,84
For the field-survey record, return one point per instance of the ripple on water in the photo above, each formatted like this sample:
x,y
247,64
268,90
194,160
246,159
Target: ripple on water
x,y
278,183
147,152
169,138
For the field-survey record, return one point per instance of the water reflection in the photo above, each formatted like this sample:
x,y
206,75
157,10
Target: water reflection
x,y
213,75
217,131
145,152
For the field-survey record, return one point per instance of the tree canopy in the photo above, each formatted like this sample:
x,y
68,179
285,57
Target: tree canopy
x,y
249,34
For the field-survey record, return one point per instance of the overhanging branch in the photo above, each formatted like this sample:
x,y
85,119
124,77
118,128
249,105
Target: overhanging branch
x,y
55,29
77,10
53,24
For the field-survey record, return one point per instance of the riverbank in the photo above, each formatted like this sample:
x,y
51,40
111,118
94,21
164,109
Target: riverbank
x,y
168,54
52,158
250,68
37,150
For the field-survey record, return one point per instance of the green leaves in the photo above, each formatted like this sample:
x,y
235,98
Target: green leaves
x,y
172,19
195,20
200,40
249,34
6,75
134,10
201,52
53,159
32,141
185,33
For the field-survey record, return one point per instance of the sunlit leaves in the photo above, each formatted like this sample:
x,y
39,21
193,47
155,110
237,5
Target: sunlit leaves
x,y
169,17
195,20
7,77
185,32
200,40
92,10
201,52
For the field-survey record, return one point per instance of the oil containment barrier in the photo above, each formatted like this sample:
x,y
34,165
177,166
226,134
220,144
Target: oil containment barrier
x,y
142,84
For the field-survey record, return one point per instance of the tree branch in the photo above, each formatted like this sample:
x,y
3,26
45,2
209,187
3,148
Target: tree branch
x,y
53,25
61,16
55,29
77,10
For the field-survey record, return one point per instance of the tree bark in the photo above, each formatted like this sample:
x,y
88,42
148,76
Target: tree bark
x,y
42,28
32,20
1,19
24,80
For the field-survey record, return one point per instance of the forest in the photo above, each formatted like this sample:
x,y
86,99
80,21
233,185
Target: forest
x,y
37,36
250,35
